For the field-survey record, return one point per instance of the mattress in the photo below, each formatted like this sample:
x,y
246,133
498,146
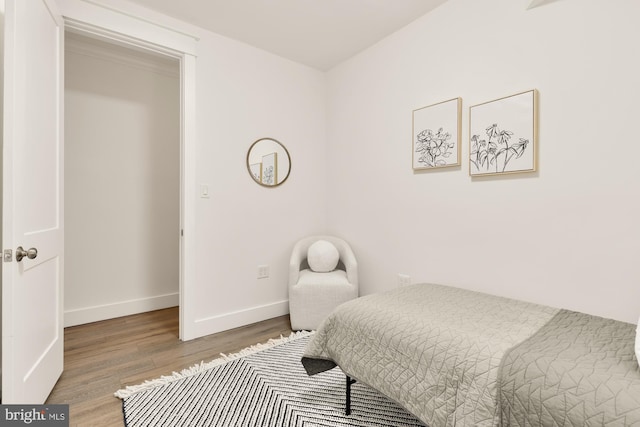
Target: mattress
x,y
457,357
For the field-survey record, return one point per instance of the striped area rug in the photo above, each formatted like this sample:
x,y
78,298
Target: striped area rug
x,y
265,385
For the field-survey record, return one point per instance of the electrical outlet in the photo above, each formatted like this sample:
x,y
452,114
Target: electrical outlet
x,y
404,279
263,271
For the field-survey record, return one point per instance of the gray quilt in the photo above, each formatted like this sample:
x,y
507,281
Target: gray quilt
x,y
449,356
578,370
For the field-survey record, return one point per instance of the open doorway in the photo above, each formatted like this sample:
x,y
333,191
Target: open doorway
x,y
122,180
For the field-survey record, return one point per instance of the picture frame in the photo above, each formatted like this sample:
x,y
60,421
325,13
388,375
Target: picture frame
x,y
436,137
256,171
503,135
269,171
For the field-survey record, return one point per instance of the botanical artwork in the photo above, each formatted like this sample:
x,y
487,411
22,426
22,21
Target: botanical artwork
x,y
436,135
270,169
502,135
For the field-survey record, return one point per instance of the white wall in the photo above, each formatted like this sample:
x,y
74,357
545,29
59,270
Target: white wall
x,y
122,170
243,94
567,236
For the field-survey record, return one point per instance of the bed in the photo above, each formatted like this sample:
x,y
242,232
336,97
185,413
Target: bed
x,y
456,357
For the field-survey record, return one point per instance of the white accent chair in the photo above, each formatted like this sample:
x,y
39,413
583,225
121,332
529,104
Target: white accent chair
x,y
314,295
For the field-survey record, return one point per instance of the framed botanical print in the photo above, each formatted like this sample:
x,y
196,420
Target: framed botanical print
x,y
503,135
436,135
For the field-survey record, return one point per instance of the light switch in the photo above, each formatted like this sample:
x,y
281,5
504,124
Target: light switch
x,y
204,191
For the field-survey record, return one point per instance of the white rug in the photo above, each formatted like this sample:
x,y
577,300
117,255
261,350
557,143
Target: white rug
x,y
265,385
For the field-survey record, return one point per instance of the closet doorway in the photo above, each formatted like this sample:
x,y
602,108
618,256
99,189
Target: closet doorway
x,y
122,180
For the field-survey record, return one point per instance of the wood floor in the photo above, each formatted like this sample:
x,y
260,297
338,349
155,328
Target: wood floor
x,y
102,357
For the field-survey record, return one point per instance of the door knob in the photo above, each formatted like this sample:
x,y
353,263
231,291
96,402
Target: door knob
x,y
21,253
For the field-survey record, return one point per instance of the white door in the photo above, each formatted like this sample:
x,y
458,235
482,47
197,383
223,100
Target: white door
x,y
32,300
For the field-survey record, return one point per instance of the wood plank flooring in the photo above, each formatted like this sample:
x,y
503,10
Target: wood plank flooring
x,y
102,357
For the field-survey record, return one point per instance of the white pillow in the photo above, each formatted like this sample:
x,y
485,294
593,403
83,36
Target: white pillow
x,y
322,256
638,342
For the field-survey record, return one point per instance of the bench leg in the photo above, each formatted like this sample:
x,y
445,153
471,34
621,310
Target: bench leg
x,y
348,403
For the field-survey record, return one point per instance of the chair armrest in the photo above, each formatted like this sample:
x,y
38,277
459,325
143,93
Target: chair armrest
x,y
348,259
294,264
351,265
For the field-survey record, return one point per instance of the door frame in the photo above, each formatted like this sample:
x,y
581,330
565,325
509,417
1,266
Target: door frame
x,y
187,152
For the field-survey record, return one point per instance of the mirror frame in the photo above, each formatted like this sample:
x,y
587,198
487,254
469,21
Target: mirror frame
x,y
249,165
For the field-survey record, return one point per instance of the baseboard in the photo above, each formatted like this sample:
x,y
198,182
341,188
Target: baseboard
x,y
235,319
124,308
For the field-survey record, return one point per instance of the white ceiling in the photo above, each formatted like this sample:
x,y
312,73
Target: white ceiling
x,y
318,33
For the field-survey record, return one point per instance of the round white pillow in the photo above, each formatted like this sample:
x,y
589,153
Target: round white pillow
x,y
322,256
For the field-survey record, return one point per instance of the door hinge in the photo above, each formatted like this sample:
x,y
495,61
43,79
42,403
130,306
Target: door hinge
x,y
182,233
7,255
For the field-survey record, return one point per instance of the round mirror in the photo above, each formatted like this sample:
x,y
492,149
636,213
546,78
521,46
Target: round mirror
x,y
268,162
